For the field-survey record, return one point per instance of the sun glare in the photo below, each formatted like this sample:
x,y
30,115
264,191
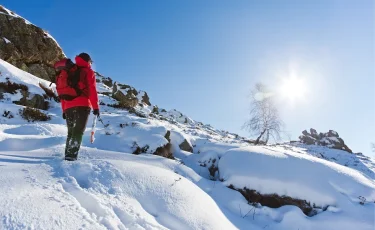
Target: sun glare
x,y
293,88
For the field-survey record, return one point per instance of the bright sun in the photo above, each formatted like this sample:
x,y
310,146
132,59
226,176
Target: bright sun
x,y
293,88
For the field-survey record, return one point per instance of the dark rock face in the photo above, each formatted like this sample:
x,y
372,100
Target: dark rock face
x,y
27,46
314,133
330,139
168,136
34,101
186,146
165,151
275,201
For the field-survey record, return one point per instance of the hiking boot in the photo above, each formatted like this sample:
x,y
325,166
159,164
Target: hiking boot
x,y
70,158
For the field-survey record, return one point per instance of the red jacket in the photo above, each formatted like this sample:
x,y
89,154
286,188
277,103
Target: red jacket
x,y
89,97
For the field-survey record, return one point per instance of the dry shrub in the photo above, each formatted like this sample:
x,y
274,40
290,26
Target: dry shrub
x,y
138,150
31,115
275,201
11,87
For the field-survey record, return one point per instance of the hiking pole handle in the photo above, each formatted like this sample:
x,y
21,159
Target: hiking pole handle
x,y
93,127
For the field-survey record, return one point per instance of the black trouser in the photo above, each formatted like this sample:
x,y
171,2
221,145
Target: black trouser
x,y
76,120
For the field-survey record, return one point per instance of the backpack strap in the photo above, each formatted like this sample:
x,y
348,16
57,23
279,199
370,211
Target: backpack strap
x,y
77,77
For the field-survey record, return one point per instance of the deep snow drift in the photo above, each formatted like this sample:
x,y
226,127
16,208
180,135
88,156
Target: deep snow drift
x,y
109,188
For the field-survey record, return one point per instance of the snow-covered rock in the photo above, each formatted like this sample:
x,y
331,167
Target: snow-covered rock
x,y
330,139
22,88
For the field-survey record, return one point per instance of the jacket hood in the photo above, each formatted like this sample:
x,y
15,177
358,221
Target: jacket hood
x,y
82,63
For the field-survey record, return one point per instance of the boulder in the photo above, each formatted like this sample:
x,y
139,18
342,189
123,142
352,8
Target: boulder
x,y
36,101
332,133
27,46
304,132
33,100
125,96
314,133
165,151
186,146
307,139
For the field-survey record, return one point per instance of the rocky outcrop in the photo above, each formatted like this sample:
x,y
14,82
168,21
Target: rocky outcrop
x,y
145,98
128,96
330,139
105,80
27,46
125,95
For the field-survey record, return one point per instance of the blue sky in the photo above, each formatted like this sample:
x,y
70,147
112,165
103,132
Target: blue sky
x,y
203,57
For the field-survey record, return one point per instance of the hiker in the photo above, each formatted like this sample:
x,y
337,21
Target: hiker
x,y
77,100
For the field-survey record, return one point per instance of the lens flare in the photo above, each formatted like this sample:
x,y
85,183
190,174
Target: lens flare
x,y
293,88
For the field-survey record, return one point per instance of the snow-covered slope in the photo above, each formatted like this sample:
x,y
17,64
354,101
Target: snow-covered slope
x,y
110,188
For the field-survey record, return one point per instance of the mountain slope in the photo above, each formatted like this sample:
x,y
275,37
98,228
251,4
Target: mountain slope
x,y
109,188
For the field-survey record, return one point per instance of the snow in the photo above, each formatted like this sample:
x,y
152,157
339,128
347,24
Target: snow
x,y
15,75
140,95
114,193
102,88
12,14
300,180
110,188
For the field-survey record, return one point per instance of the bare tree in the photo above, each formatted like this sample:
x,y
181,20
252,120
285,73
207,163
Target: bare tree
x,y
264,117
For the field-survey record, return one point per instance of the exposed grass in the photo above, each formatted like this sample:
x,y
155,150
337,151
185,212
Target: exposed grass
x,y
11,87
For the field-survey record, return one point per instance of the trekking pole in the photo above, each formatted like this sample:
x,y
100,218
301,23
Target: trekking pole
x,y
101,121
93,129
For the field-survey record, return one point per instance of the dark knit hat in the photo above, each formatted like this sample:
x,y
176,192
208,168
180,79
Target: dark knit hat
x,y
85,57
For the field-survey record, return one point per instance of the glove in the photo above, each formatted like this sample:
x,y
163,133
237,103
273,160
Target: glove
x,y
96,112
64,116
